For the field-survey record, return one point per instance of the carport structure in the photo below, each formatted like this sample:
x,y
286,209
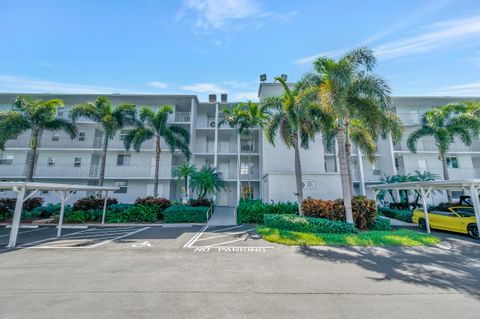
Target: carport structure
x,y
26,190
425,189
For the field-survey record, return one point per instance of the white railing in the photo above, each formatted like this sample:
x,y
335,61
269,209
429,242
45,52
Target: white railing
x,y
454,173
182,117
410,118
428,145
226,147
12,170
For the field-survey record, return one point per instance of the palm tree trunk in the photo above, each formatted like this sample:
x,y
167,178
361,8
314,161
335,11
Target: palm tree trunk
x,y
445,174
186,186
103,161
158,150
348,153
32,157
347,196
298,175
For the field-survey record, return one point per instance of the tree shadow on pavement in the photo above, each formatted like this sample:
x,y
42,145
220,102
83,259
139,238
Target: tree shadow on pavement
x,y
453,264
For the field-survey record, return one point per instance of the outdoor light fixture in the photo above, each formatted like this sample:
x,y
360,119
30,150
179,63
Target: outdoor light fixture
x,y
284,77
263,77
212,98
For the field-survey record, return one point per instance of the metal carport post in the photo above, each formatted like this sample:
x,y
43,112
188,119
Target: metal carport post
x,y
476,204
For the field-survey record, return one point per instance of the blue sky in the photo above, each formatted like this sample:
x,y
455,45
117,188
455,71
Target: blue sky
x,y
204,46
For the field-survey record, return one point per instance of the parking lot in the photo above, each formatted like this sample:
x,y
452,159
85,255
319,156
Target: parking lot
x,y
209,272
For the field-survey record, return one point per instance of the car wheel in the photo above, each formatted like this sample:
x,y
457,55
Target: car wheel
x,y
473,231
422,224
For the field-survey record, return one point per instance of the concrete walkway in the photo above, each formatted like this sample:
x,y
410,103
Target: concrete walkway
x,y
223,216
399,223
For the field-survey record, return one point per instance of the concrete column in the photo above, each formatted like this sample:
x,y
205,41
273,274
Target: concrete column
x,y
16,218
360,168
215,145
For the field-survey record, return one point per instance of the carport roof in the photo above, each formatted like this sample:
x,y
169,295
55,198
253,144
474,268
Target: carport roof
x,y
53,186
444,185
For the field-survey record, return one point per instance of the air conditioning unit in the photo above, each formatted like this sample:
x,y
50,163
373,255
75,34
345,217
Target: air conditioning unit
x,y
212,98
223,97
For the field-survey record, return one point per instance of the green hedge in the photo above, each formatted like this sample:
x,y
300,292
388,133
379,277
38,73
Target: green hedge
x,y
185,214
252,211
132,214
403,215
381,223
307,224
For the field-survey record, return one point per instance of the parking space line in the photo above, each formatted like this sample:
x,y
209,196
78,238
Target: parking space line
x,y
51,238
192,240
226,242
27,231
226,235
224,229
113,233
119,237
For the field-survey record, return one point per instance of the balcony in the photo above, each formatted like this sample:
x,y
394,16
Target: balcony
x,y
69,171
410,118
428,145
182,117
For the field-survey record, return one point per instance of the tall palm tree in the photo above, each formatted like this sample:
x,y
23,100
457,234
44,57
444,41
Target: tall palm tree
x,y
207,181
111,120
244,117
37,116
184,172
296,121
444,123
359,100
154,125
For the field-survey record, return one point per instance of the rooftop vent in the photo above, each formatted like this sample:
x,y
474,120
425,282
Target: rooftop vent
x,y
263,77
223,97
212,98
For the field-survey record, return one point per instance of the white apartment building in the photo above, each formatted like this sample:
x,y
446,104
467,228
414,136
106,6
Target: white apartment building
x,y
266,172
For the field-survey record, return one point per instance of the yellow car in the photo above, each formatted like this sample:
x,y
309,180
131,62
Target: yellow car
x,y
459,219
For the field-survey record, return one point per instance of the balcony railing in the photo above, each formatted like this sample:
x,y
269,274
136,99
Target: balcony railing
x,y
182,117
69,171
410,118
429,145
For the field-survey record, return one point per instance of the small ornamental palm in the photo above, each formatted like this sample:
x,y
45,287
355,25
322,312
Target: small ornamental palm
x,y
207,181
153,125
110,119
183,172
444,123
37,116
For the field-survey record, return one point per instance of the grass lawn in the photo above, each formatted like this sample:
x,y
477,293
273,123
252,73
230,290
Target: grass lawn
x,y
364,238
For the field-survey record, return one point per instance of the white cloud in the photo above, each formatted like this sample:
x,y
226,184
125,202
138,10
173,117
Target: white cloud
x,y
202,88
244,96
216,13
466,89
156,84
9,83
435,36
311,58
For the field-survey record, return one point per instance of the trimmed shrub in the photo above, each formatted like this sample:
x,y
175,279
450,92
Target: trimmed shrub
x,y
77,216
200,202
132,214
160,204
307,224
252,211
31,203
403,215
185,214
381,223
92,202
364,210
47,211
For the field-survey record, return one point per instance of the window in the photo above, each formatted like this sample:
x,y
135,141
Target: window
x,y
123,160
465,211
376,169
6,159
51,161
81,136
422,165
247,192
60,113
77,162
123,134
452,162
55,137
245,169
122,185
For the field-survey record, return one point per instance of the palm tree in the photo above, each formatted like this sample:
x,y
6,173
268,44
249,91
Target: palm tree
x,y
444,123
360,102
388,179
295,119
424,176
110,119
207,181
184,172
154,125
244,117
37,116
